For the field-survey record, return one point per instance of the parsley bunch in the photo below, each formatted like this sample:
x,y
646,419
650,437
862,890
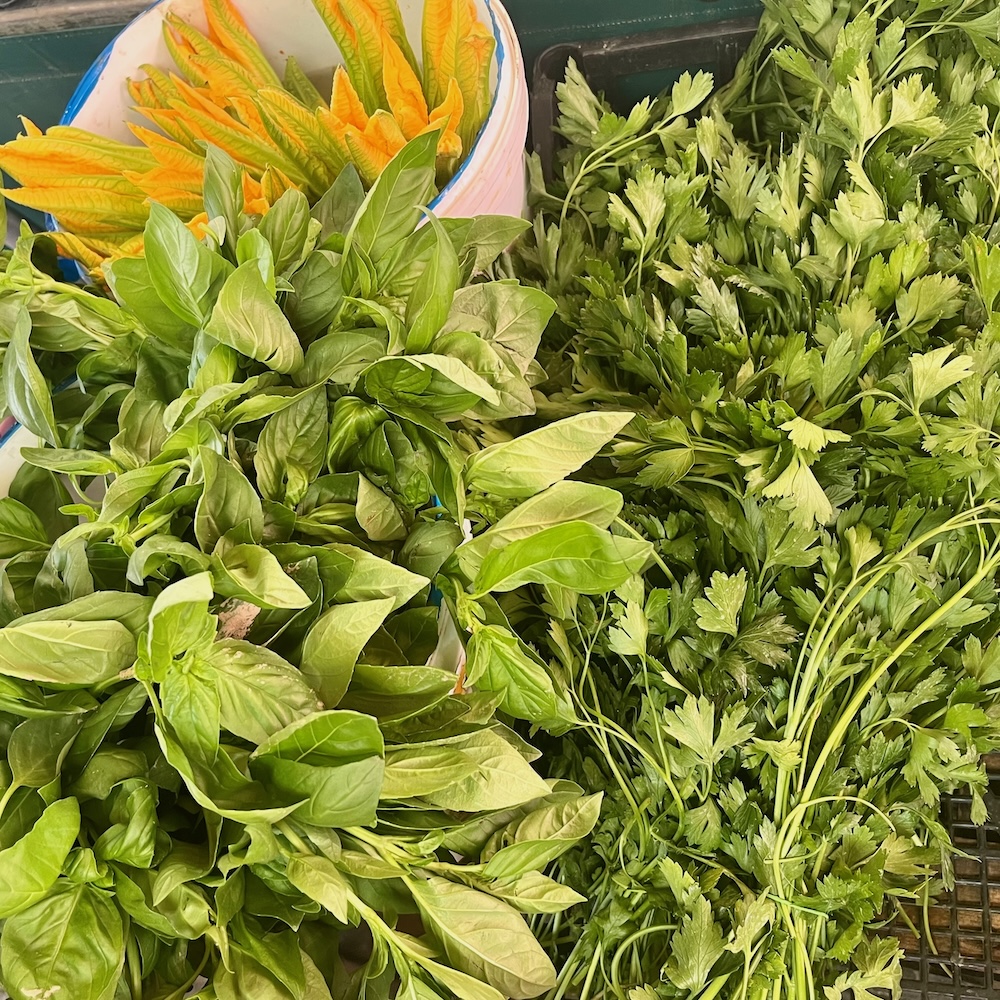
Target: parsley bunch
x,y
796,294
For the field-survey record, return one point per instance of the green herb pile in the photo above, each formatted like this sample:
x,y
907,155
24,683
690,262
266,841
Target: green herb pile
x,y
797,294
340,512
239,734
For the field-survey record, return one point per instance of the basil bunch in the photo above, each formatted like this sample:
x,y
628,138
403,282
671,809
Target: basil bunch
x,y
236,723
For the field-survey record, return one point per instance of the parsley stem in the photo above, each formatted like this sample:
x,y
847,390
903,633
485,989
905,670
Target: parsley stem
x,y
836,736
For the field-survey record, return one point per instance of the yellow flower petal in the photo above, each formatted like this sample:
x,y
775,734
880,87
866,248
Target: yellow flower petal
x,y
41,160
30,128
372,149
345,103
358,32
224,77
403,91
229,31
458,46
286,113
447,116
387,11
83,209
80,250
169,121
167,152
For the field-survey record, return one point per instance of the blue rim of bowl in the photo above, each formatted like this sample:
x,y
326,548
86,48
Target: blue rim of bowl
x,y
8,434
89,81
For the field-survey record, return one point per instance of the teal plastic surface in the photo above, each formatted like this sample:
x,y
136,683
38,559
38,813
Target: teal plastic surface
x,y
39,72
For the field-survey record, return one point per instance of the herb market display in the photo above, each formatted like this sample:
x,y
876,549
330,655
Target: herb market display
x,y
283,130
600,617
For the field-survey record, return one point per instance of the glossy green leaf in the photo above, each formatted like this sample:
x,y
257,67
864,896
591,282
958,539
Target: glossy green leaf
x,y
68,654
391,209
578,556
483,937
20,529
29,868
71,942
26,393
247,318
529,464
334,643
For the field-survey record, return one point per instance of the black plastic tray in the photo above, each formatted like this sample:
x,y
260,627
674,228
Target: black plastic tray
x,y
630,67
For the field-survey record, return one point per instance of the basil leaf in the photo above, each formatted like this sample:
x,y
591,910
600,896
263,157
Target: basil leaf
x,y
181,913
562,502
25,390
337,208
73,940
44,494
20,529
430,301
179,621
334,643
577,556
247,318
442,386
291,450
29,868
365,577
286,228
316,296
67,654
533,893
420,772
500,661
503,778
228,503
251,573
259,693
132,285
223,192
334,758
130,838
324,737
391,210
529,464
184,272
252,248
530,843
322,881
507,316
340,357
129,489
483,937
71,461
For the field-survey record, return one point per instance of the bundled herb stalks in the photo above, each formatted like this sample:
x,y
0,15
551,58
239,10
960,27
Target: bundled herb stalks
x,y
804,325
285,133
235,725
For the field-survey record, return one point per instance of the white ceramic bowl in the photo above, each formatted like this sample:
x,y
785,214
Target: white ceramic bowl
x,y
490,181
